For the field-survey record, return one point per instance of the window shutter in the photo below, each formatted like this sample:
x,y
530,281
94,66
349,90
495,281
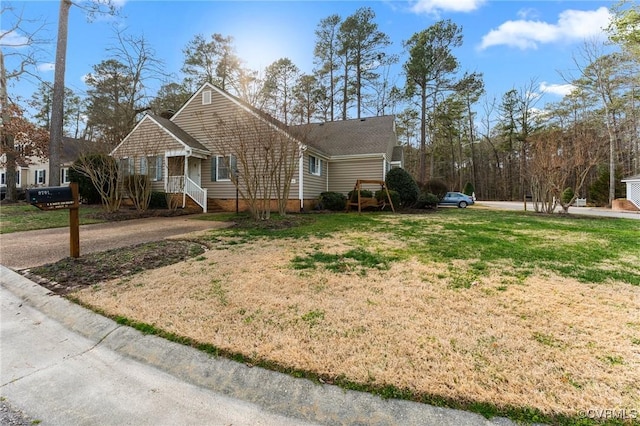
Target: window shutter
x,y
233,164
35,180
44,177
159,167
214,168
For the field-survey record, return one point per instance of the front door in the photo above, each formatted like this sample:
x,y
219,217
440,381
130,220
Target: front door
x,y
194,170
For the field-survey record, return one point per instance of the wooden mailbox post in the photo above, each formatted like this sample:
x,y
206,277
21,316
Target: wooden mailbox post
x,y
56,198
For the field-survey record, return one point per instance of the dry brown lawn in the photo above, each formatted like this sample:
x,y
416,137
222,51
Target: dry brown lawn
x,y
545,342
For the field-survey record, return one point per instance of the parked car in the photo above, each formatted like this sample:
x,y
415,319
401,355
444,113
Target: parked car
x,y
456,199
20,193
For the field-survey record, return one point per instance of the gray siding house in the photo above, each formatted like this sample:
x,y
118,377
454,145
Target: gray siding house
x,y
196,150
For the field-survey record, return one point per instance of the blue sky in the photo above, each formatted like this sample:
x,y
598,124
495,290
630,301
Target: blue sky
x,y
511,42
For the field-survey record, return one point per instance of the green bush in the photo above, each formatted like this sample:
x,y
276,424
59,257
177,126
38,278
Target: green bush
x,y
468,189
437,187
427,200
333,201
364,193
395,197
158,200
567,195
400,181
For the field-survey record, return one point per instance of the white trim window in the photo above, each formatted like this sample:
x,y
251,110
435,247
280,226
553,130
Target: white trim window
x,y
222,167
127,166
152,166
64,176
41,177
155,167
3,179
315,166
206,97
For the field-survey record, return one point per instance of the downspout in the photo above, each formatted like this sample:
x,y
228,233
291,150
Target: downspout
x,y
301,180
384,166
327,182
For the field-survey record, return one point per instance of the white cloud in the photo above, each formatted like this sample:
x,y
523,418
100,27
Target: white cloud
x,y
12,39
50,66
556,89
572,25
529,13
436,6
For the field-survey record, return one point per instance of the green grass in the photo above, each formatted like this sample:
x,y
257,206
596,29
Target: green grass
x,y
25,217
591,250
357,259
587,249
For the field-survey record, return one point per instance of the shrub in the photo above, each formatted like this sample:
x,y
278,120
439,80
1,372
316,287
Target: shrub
x,y
468,189
400,181
567,195
395,197
158,200
364,193
333,201
437,187
427,200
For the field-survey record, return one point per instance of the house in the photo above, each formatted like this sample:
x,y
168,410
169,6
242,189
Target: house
x,y
633,190
33,172
197,150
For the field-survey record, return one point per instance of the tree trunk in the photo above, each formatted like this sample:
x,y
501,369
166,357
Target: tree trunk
x,y
422,167
57,111
5,139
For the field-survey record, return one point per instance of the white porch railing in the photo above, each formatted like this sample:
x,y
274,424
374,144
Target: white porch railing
x,y
185,186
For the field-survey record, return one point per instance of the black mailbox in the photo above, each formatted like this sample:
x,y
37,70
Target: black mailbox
x,y
53,197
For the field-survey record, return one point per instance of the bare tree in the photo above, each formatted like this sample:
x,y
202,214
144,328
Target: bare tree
x,y
598,75
562,159
17,38
261,154
104,173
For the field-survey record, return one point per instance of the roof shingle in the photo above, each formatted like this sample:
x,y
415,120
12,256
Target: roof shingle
x,y
373,135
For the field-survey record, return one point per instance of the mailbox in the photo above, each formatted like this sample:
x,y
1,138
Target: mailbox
x,y
54,197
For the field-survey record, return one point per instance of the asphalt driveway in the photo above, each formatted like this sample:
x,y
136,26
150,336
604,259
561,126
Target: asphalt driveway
x,y
584,211
22,250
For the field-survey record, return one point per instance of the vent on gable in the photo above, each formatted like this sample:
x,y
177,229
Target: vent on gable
x,y
206,97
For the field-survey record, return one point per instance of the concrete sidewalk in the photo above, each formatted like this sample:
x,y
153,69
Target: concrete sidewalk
x,y
62,364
